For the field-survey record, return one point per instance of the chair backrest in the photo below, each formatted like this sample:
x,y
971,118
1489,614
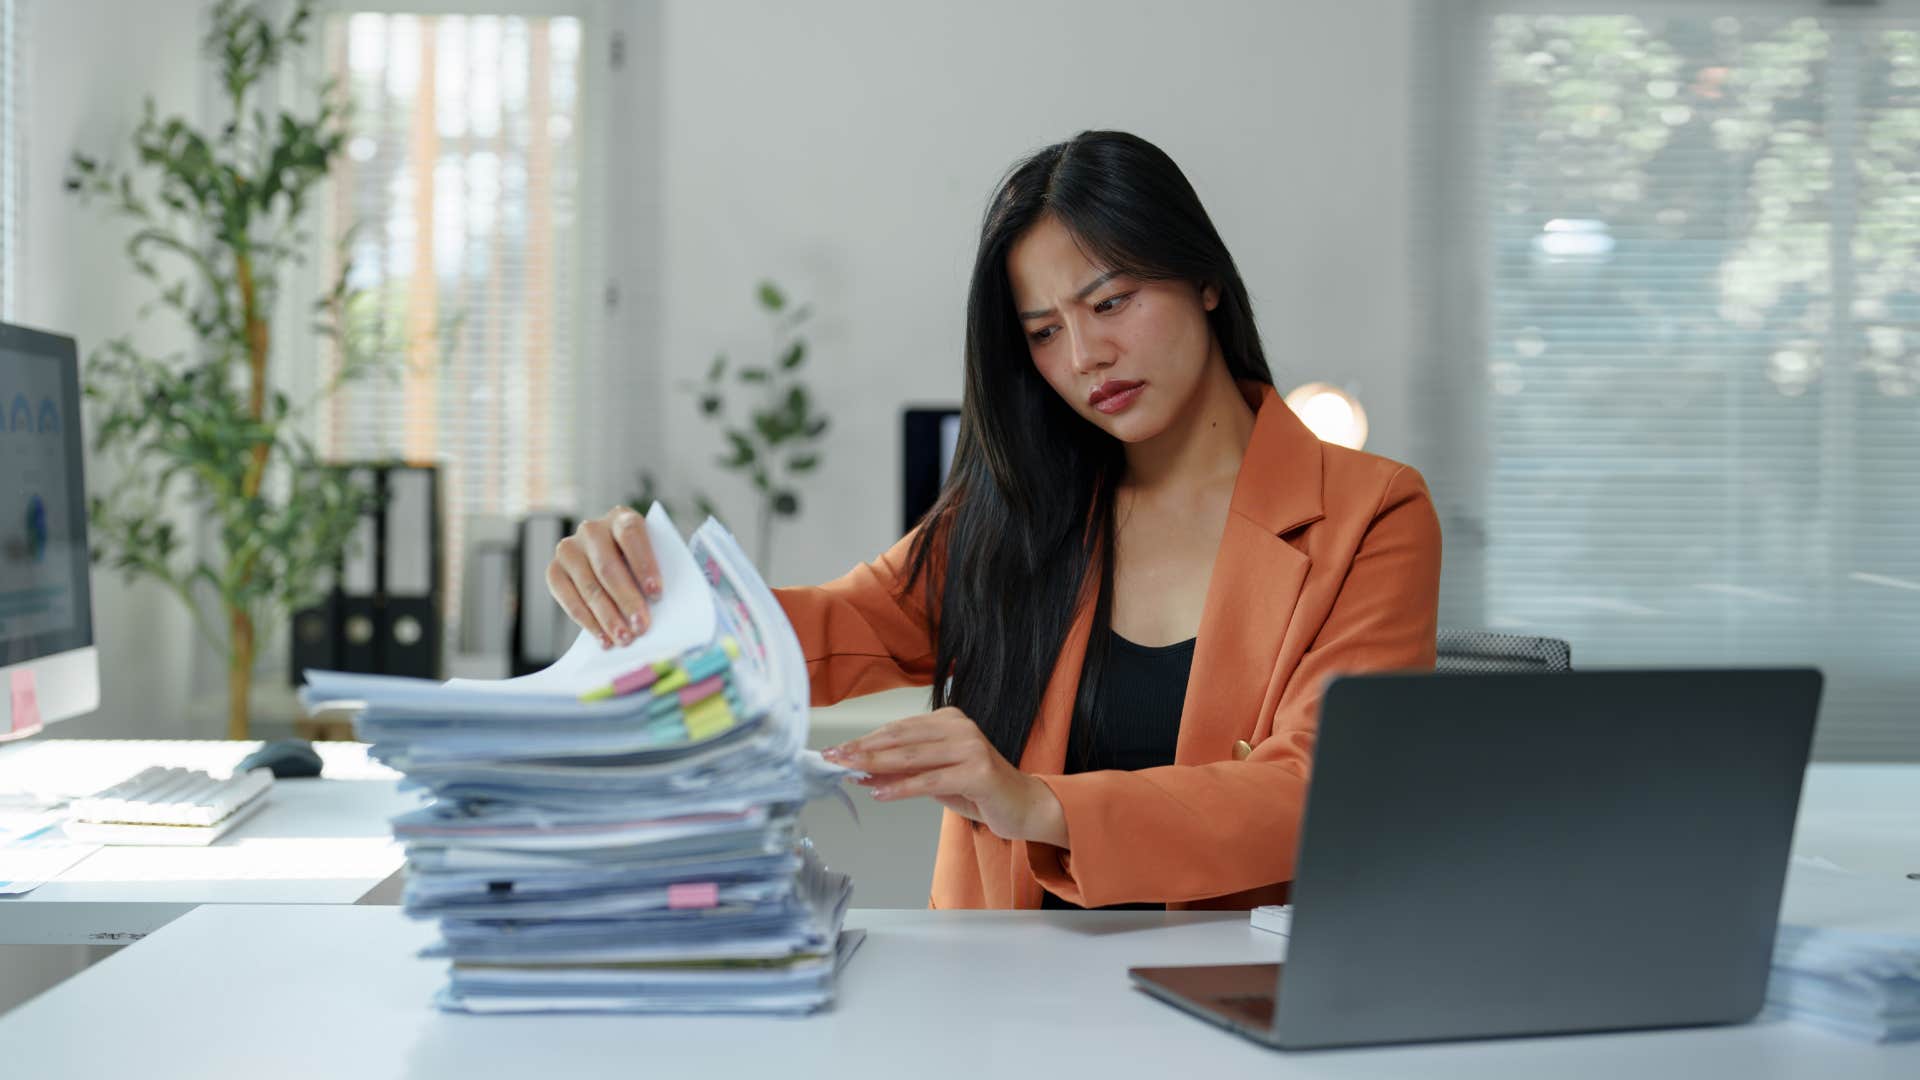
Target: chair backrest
x,y
1481,651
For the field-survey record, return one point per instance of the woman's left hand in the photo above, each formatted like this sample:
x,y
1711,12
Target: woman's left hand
x,y
944,755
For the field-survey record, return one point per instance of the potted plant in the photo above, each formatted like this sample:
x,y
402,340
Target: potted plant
x,y
777,443
218,222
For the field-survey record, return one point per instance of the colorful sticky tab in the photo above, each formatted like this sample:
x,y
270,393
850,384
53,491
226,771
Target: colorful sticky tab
x,y
691,895
700,691
670,682
709,718
711,662
26,700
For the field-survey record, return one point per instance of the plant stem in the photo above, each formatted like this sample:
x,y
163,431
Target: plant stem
x,y
240,647
239,672
257,342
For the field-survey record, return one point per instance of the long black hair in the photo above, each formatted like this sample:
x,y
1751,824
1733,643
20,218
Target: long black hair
x,y
1027,510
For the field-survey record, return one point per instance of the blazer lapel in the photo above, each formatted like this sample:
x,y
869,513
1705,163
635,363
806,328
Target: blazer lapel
x,y
1255,584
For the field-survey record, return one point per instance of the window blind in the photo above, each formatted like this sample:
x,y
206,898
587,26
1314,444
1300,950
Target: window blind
x,y
459,206
12,138
1701,395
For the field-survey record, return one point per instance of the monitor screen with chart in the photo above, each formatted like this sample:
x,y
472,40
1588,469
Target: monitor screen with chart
x,y
48,667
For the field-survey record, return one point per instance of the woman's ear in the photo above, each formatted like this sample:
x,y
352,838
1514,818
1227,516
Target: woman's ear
x,y
1209,296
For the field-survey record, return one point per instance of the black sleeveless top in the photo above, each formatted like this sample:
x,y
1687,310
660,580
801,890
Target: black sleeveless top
x,y
1137,707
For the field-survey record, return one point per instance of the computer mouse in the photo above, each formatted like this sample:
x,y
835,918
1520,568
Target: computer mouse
x,y
286,757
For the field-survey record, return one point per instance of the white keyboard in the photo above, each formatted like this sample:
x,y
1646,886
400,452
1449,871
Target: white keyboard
x,y
167,806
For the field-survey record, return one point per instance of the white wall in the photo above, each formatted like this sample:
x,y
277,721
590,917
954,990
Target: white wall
x,y
847,148
89,64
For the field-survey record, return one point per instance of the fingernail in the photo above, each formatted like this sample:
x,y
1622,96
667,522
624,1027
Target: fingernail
x,y
833,753
881,792
625,635
633,620
606,642
652,586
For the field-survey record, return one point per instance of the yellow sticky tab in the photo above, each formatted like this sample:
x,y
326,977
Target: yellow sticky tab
x,y
731,646
667,684
601,694
709,718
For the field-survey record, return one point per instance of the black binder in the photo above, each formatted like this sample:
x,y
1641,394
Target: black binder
x,y
541,628
386,612
360,581
411,624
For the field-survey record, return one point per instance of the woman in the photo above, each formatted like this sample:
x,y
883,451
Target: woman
x,y
1141,571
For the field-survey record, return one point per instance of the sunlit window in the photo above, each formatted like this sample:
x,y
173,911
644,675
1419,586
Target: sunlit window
x,y
1703,350
461,187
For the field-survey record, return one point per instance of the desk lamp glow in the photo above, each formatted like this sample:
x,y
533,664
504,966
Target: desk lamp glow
x,y
1331,413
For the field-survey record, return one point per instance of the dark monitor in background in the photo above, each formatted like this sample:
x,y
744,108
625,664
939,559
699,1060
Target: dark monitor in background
x,y
927,439
49,669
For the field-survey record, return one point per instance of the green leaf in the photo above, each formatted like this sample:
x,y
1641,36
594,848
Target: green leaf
x,y
771,297
753,374
816,427
796,355
803,462
786,502
709,404
743,451
717,368
771,426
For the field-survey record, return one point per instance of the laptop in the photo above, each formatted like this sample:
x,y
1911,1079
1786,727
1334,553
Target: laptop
x,y
1502,855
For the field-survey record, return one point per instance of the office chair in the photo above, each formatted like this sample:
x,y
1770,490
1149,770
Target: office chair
x,y
1484,652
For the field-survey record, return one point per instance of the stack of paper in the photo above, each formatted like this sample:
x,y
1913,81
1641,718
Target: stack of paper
x,y
1848,955
618,833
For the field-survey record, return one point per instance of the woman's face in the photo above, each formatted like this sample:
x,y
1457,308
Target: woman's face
x,y
1126,354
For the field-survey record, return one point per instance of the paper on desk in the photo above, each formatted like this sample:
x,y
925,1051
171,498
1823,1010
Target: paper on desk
x,y
623,810
33,851
1847,956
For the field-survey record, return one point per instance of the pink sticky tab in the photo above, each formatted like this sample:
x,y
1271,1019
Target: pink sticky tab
x,y
26,701
638,679
702,690
693,894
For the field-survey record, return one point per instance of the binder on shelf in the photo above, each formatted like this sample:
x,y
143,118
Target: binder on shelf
x,y
314,643
385,613
541,629
487,599
411,627
360,579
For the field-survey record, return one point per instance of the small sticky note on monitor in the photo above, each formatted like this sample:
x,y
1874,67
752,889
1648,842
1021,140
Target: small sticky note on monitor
x,y
26,702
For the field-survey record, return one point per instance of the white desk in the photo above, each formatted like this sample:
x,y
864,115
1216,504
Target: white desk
x,y
1866,818
317,841
335,991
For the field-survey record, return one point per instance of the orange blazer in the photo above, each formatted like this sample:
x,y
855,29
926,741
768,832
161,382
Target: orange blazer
x,y
1330,563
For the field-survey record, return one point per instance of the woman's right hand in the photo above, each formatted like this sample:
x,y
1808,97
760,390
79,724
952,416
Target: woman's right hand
x,y
604,575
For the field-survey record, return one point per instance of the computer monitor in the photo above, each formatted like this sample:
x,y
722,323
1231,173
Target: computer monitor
x,y
49,670
927,439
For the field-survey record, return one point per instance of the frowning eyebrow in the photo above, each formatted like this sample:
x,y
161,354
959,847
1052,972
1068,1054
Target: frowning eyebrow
x,y
1084,292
